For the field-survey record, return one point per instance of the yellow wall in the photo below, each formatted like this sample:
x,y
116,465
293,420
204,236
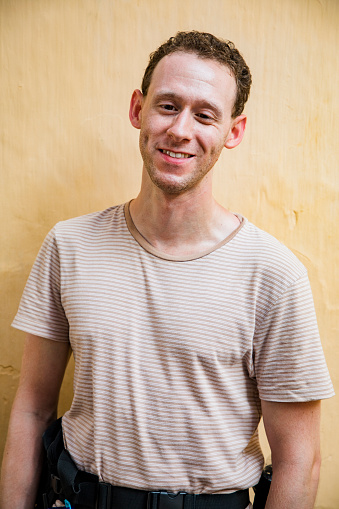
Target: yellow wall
x,y
68,68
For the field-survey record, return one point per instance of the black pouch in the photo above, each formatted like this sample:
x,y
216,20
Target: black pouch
x,y
49,489
262,489
60,478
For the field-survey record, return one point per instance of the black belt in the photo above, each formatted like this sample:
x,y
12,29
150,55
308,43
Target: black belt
x,y
115,497
84,491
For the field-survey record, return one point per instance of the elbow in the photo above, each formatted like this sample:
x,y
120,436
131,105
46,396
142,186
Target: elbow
x,y
315,468
304,466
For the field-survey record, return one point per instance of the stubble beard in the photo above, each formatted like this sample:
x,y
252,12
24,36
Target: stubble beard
x,y
176,186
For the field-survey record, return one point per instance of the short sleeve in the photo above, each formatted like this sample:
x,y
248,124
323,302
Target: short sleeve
x,y
288,357
41,311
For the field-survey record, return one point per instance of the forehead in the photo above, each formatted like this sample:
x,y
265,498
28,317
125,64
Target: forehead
x,y
188,73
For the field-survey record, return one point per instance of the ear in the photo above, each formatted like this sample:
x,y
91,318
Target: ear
x,y
135,109
236,132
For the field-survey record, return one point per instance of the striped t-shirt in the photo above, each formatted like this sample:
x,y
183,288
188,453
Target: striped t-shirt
x,y
172,356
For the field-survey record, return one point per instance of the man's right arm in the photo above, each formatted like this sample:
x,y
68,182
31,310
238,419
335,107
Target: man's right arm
x,y
34,408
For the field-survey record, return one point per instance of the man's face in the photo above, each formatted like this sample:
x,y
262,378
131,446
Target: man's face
x,y
185,120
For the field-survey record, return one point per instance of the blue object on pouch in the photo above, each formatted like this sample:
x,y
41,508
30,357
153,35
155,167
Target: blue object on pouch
x,y
67,504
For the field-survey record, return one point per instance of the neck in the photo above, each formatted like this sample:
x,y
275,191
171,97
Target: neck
x,y
183,224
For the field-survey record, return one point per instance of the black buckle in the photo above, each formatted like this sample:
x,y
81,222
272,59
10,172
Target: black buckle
x,y
165,500
56,484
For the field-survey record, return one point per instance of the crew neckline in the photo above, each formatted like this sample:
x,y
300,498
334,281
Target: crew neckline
x,y
159,254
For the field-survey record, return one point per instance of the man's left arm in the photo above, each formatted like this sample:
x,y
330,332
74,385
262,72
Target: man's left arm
x,y
293,432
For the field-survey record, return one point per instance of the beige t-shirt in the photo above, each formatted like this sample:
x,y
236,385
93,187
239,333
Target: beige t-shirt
x,y
172,356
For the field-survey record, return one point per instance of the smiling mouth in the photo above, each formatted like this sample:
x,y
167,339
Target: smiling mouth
x,y
177,155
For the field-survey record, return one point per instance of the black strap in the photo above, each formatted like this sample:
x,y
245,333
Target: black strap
x,y
126,498
236,500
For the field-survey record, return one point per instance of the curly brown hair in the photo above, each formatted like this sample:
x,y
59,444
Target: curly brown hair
x,y
207,46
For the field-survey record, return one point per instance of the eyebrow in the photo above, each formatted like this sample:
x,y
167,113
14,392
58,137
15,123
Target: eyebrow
x,y
202,103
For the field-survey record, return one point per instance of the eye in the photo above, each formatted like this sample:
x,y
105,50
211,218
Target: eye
x,y
204,117
168,107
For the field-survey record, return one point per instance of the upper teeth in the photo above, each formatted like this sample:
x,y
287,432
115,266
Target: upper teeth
x,y
178,155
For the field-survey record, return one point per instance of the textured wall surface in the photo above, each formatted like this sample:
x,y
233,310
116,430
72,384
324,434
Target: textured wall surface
x,y
66,146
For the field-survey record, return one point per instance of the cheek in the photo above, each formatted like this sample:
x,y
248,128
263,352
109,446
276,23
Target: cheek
x,y
143,140
151,131
210,143
157,124
216,149
145,134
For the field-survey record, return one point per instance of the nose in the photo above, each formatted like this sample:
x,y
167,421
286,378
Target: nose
x,y
181,128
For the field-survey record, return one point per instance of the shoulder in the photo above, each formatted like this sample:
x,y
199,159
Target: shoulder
x,y
262,265
82,232
268,255
89,227
92,221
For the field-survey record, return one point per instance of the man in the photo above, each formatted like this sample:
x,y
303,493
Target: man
x,y
186,322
